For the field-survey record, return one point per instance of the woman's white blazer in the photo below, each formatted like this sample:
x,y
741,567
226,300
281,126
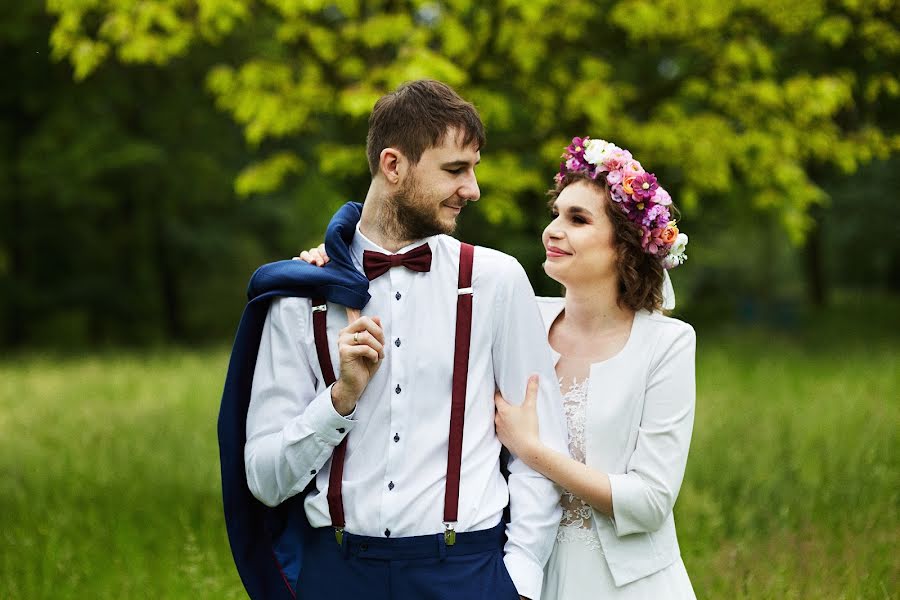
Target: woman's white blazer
x,y
639,419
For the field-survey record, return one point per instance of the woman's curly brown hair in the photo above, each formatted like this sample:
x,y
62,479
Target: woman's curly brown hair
x,y
640,274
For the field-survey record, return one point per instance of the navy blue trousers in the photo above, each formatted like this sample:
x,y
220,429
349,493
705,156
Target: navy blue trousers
x,y
411,568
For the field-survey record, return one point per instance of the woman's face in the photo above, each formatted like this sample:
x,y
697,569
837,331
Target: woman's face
x,y
579,238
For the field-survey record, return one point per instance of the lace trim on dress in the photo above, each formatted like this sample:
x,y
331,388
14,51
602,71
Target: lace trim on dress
x,y
576,513
576,524
576,535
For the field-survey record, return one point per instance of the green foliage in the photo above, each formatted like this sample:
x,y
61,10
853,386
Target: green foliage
x,y
173,146
739,99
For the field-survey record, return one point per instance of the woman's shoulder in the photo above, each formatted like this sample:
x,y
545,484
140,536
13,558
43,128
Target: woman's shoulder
x,y
667,335
666,324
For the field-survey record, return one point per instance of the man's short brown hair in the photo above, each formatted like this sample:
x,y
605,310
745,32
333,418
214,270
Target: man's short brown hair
x,y
416,117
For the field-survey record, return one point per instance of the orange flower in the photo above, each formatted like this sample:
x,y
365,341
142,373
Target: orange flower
x,y
626,185
669,234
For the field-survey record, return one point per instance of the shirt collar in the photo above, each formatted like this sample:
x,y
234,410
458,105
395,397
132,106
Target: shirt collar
x,y
361,243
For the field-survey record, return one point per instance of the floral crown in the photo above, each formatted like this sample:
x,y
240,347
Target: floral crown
x,y
635,191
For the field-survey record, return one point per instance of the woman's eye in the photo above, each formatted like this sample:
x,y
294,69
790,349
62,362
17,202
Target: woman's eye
x,y
579,220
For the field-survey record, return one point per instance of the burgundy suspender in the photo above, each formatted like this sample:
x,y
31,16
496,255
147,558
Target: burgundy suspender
x,y
457,407
320,333
460,378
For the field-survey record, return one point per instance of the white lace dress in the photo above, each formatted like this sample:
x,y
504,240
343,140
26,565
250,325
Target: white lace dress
x,y
577,569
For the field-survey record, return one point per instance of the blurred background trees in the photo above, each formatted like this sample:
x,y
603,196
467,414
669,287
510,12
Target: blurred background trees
x,y
153,152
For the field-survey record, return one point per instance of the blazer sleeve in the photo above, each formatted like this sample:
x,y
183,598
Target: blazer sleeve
x,y
644,496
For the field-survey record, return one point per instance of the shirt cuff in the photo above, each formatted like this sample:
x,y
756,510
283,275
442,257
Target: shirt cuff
x,y
527,575
330,426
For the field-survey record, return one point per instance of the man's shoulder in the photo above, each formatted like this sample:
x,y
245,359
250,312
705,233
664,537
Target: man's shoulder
x,y
487,260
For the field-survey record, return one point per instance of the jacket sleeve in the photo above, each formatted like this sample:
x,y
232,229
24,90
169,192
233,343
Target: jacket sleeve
x,y
644,496
292,426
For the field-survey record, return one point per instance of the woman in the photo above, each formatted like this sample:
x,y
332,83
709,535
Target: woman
x,y
627,375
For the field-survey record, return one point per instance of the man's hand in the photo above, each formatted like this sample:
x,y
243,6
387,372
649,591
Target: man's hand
x,y
361,348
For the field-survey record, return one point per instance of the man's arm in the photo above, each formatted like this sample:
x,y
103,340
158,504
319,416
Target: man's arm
x,y
520,350
292,429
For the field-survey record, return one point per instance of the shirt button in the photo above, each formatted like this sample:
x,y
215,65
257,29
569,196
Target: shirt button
x,y
387,533
391,485
340,430
396,437
313,472
397,342
397,295
397,389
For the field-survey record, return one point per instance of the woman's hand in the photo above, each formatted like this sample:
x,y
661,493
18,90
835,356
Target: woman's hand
x,y
517,426
314,256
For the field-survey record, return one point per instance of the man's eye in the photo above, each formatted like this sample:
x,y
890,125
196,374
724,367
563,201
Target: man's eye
x,y
553,214
455,171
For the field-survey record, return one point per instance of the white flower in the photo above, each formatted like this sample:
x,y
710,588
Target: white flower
x,y
596,151
679,245
670,262
676,255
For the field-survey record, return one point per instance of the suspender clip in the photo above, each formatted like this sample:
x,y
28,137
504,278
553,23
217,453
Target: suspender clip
x,y
450,532
339,535
320,308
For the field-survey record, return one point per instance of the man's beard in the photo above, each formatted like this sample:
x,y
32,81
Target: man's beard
x,y
412,216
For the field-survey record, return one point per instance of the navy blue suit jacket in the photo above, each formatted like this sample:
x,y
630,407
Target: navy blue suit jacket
x,y
267,543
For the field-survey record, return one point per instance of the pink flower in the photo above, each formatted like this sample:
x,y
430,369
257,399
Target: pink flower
x,y
652,240
574,164
632,167
614,177
656,214
644,186
662,197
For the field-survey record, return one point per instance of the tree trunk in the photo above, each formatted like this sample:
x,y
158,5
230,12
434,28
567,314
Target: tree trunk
x,y
166,275
815,261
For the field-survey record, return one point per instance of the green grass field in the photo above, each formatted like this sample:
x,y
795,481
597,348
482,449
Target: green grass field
x,y
109,484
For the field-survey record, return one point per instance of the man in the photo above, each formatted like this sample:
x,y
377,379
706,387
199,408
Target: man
x,y
381,528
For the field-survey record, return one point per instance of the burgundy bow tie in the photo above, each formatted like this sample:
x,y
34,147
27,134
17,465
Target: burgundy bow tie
x,y
376,264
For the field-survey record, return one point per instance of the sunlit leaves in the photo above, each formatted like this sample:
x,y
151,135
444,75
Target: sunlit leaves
x,y
727,97
267,175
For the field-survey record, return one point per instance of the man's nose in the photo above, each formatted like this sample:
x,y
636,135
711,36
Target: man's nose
x,y
469,190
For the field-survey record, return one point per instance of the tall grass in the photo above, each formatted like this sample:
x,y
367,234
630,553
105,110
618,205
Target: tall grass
x,y
109,482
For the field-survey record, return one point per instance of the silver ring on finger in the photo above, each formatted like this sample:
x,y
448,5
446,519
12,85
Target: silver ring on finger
x,y
356,338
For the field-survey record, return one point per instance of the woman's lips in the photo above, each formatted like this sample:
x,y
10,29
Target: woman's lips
x,y
554,252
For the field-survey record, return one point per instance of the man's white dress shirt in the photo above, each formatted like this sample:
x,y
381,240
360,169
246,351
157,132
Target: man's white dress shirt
x,y
396,463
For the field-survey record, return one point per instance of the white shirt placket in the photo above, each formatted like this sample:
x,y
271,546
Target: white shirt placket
x,y
394,499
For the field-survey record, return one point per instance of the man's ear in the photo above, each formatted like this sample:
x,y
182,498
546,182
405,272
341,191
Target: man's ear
x,y
392,165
